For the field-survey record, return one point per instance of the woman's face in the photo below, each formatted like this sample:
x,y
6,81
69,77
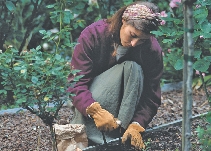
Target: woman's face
x,y
131,37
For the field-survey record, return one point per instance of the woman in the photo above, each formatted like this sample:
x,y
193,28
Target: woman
x,y
122,66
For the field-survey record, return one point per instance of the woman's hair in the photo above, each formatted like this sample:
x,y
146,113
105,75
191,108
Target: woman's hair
x,y
145,25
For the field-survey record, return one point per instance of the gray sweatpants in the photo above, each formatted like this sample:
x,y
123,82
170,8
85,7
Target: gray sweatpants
x,y
118,90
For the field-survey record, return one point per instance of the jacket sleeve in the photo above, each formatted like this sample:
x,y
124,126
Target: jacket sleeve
x,y
81,60
151,95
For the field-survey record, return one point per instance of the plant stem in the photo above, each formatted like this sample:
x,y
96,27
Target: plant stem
x,y
53,137
204,86
29,26
38,135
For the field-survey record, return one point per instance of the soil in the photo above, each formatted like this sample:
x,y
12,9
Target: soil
x,y
24,131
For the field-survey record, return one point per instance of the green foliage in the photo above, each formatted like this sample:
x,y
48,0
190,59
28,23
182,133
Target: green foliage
x,y
19,21
54,25
21,25
147,145
204,134
81,14
171,38
198,82
39,79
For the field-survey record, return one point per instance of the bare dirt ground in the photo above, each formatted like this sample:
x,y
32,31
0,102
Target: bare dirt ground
x,y
26,132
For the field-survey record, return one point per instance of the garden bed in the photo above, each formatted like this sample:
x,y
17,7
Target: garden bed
x,y
26,132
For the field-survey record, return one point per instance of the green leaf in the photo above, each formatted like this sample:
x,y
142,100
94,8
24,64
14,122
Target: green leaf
x,y
89,9
209,98
78,77
72,95
3,92
157,33
207,58
67,17
81,23
51,109
34,79
206,35
201,65
179,64
208,118
10,6
23,90
197,54
166,30
38,47
201,13
75,71
204,2
197,33
196,83
42,31
8,88
21,100
167,40
58,57
169,18
58,68
80,6
206,27
17,68
51,6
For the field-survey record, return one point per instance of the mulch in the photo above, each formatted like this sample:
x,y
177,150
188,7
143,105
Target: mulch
x,y
24,131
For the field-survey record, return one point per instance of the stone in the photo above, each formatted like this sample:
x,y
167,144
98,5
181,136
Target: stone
x,y
71,137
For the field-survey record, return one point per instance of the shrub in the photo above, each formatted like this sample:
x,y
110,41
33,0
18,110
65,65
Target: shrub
x,y
171,33
37,78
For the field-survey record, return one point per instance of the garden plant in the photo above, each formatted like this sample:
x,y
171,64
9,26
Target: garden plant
x,y
37,38
39,79
172,33
22,24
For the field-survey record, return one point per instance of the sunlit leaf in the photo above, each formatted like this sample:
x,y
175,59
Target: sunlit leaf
x,y
167,40
197,54
201,65
50,6
10,6
179,64
58,57
34,79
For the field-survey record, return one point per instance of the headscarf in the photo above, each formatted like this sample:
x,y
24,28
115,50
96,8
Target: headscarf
x,y
138,11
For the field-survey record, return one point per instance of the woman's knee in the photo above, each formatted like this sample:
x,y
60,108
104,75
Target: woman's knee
x,y
131,65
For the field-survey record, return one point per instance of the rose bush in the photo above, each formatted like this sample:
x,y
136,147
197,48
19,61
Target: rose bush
x,y
171,36
38,79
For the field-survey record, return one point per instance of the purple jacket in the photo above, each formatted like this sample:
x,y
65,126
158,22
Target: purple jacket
x,y
93,55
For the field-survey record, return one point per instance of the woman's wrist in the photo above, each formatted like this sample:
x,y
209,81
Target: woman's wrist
x,y
136,123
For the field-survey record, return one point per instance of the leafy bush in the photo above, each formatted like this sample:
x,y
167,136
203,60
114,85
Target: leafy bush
x,y
23,23
38,81
171,37
171,34
37,78
204,134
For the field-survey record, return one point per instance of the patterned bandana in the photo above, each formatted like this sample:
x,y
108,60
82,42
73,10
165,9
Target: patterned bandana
x,y
138,11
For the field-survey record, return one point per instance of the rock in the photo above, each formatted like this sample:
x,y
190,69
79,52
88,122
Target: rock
x,y
71,137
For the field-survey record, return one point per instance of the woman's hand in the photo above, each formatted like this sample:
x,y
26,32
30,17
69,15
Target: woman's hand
x,y
133,132
104,120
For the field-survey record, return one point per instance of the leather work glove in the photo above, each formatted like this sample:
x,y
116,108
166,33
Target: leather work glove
x,y
133,132
104,120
